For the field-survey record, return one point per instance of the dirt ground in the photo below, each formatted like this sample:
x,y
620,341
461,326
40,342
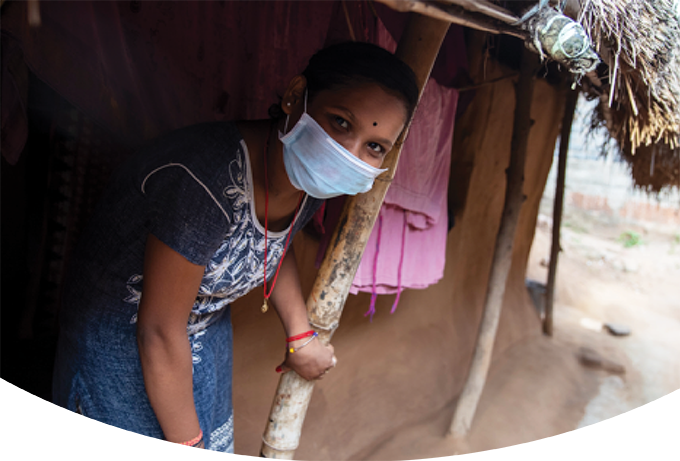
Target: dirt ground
x,y
543,386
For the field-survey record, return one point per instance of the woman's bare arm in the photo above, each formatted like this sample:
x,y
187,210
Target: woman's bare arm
x,y
287,297
314,359
170,286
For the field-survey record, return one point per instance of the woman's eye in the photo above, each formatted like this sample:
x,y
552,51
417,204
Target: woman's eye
x,y
342,122
377,148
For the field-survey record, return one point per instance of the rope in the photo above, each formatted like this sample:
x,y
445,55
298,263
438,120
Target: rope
x,y
374,293
401,264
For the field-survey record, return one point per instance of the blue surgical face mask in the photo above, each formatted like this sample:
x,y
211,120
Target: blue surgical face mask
x,y
319,165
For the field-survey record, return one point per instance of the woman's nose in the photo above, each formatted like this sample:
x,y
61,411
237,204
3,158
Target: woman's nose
x,y
353,146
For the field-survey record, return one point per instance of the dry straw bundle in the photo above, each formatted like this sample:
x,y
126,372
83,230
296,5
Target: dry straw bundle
x,y
640,42
655,167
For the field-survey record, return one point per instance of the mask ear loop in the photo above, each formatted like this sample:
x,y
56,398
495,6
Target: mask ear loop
x,y
285,127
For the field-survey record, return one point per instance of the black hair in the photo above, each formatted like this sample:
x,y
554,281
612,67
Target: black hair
x,y
352,63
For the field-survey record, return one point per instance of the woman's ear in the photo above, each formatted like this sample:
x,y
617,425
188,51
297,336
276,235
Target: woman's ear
x,y
294,95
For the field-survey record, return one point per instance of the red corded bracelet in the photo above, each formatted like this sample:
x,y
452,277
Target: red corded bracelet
x,y
183,451
304,335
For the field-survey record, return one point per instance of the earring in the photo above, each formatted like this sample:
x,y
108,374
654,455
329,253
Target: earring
x,y
288,104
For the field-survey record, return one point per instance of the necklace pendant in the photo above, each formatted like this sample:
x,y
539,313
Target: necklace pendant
x,y
265,307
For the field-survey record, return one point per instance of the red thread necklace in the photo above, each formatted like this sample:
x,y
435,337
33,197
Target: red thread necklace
x,y
265,306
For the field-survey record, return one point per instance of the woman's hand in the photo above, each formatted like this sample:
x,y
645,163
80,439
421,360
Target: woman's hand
x,y
311,362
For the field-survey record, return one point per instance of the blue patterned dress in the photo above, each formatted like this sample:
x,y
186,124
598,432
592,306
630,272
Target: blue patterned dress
x,y
192,189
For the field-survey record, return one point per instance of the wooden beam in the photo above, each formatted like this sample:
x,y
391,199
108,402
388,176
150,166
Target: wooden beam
x,y
486,8
502,258
531,28
418,47
455,14
567,119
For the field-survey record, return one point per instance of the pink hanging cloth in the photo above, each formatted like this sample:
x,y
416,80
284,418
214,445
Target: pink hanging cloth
x,y
407,248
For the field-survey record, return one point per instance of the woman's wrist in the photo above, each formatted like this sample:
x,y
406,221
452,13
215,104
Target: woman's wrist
x,y
300,336
297,328
294,346
184,451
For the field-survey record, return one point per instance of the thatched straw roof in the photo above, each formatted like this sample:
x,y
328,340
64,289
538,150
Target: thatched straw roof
x,y
640,42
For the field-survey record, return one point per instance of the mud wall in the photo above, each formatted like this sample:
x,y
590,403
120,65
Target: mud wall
x,y
410,366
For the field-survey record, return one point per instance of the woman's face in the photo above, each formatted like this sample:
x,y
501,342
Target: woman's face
x,y
364,118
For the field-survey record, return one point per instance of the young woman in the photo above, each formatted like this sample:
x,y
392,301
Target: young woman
x,y
196,220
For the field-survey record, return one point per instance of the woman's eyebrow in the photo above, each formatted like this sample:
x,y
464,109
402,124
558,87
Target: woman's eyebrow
x,y
347,112
385,142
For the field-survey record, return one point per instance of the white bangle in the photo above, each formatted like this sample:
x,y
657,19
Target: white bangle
x,y
293,350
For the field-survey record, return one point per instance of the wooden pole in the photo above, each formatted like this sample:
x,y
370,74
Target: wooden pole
x,y
418,47
502,258
567,119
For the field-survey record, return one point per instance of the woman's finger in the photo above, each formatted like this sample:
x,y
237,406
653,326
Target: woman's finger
x,y
334,361
322,374
283,368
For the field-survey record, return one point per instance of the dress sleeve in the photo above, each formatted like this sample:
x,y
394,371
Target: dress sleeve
x,y
184,213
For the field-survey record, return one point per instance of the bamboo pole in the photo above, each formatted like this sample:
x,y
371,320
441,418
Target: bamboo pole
x,y
502,258
418,47
568,118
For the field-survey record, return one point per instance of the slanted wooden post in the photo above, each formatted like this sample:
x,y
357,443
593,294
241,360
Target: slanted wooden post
x,y
418,47
567,119
502,258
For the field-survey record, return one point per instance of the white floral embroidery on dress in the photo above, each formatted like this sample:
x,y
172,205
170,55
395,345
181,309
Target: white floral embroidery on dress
x,y
222,438
196,347
135,294
238,264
